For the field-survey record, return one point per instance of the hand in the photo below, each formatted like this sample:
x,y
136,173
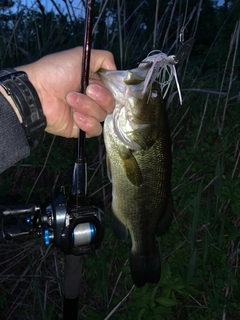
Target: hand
x,y
57,77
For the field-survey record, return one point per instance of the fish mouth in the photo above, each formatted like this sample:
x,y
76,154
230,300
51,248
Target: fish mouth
x,y
113,80
119,81
155,67
126,87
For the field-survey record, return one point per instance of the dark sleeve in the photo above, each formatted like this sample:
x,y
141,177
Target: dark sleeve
x,y
13,142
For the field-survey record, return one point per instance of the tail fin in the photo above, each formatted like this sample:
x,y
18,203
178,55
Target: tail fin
x,y
145,268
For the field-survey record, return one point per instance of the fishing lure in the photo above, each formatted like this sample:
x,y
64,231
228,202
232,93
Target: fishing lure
x,y
163,68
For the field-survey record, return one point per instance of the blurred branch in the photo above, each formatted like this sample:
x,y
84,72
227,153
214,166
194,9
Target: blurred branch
x,y
56,7
41,7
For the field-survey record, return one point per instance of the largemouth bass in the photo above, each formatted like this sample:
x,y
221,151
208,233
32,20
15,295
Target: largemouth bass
x,y
139,163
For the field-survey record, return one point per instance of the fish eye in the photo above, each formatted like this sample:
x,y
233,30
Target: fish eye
x,y
154,94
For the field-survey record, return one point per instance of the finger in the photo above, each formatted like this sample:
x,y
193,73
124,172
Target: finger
x,y
102,59
99,58
101,96
90,125
85,105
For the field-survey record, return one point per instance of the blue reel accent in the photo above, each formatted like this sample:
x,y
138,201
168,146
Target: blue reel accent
x,y
92,231
28,219
46,237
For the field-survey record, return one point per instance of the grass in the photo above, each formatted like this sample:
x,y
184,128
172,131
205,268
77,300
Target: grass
x,y
200,253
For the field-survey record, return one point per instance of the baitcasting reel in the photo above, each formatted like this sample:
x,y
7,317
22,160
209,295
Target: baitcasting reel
x,y
74,229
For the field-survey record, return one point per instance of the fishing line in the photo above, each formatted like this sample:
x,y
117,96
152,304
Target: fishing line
x,y
181,35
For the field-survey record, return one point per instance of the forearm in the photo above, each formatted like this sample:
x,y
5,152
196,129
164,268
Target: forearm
x,y
11,103
21,116
13,142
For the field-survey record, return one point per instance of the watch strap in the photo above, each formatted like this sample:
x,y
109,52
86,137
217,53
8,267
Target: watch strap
x,y
26,99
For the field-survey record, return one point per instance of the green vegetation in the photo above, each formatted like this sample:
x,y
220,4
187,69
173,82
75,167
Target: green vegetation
x,y
200,254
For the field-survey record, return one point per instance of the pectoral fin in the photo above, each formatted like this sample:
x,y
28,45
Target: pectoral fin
x,y
131,167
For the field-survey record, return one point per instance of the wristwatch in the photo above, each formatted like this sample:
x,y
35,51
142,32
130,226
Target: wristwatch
x,y
26,99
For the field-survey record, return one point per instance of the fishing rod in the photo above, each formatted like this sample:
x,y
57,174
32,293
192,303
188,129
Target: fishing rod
x,y
77,199
79,185
67,223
